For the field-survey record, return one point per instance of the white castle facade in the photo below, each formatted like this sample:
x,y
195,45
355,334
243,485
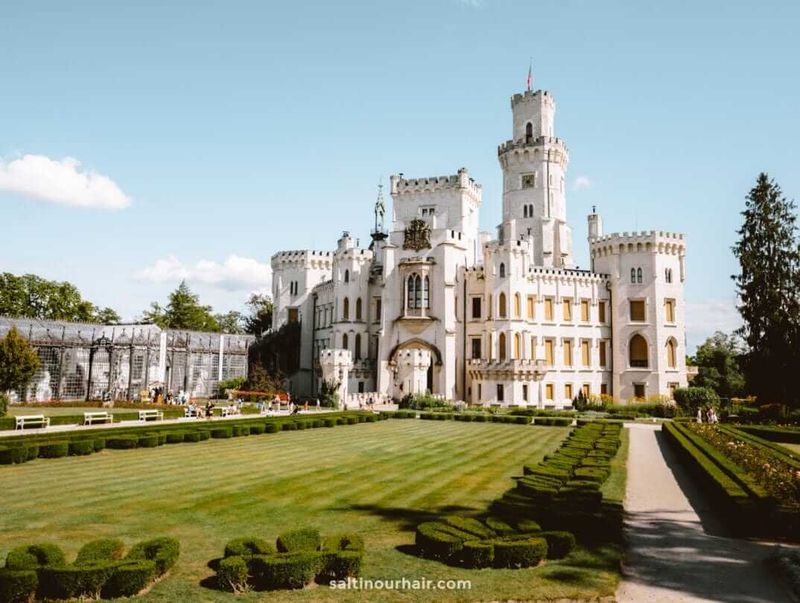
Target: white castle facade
x,y
434,305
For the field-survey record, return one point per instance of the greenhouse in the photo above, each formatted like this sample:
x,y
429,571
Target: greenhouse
x,y
81,361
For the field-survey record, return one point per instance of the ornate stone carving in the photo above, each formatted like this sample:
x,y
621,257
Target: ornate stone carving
x,y
417,235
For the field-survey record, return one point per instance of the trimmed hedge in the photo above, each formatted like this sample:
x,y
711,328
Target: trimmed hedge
x,y
122,442
559,543
306,539
519,553
18,586
247,547
129,579
74,582
553,421
103,549
291,570
81,447
34,556
148,440
232,574
476,554
222,432
54,450
175,437
163,551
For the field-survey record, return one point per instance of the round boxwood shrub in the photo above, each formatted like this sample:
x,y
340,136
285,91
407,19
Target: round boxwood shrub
x,y
81,447
304,539
352,420
300,424
341,420
129,579
519,553
232,574
342,542
329,422
53,450
318,423
192,436
34,555
162,438
479,418
163,551
240,430
148,440
222,432
257,429
247,547
205,434
14,454
340,565
102,549
74,582
288,426
99,444
559,543
433,541
272,428
122,442
291,570
175,437
18,586
32,452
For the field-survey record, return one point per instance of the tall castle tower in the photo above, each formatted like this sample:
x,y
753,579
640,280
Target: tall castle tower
x,y
534,165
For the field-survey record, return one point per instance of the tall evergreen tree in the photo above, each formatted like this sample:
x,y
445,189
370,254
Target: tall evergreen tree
x,y
183,311
768,285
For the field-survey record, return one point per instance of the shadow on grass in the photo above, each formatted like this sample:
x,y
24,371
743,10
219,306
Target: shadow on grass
x,y
409,519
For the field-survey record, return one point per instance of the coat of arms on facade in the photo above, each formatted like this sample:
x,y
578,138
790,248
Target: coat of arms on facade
x,y
417,235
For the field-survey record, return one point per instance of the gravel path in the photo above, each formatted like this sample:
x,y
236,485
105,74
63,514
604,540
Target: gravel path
x,y
675,550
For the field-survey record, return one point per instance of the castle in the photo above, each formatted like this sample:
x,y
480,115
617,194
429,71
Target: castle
x,y
434,305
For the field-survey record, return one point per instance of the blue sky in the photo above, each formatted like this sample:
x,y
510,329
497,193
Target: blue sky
x,y
216,133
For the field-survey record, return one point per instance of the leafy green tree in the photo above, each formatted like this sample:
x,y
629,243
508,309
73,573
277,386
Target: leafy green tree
x,y
231,322
689,399
183,311
768,285
259,320
30,296
18,361
718,363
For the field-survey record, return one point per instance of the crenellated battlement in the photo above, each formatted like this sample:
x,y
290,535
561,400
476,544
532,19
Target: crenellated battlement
x,y
335,357
535,145
651,241
302,258
532,96
400,186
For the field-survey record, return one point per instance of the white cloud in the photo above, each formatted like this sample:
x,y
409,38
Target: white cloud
x,y
581,183
234,274
706,317
62,182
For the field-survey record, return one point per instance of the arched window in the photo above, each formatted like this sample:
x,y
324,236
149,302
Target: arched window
x,y
346,276
525,211
517,306
358,309
501,344
530,210
668,275
672,354
528,132
426,298
633,276
517,346
502,270
346,309
501,302
417,292
358,347
637,352
639,276
345,342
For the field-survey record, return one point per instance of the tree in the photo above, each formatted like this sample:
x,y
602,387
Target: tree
x,y
768,285
18,361
718,363
30,296
231,322
183,311
260,319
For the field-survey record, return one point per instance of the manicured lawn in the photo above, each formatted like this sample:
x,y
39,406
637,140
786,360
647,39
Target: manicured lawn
x,y
794,448
378,479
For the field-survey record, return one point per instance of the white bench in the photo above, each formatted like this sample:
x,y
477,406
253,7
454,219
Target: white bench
x,y
90,418
25,420
230,411
155,415
191,413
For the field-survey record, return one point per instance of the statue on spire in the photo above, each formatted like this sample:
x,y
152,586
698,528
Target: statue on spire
x,y
380,210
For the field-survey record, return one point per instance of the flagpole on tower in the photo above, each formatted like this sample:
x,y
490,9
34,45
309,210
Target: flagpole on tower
x,y
530,75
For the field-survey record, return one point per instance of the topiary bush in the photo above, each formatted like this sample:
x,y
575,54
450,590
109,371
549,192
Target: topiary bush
x,y
148,440
99,444
247,547
74,582
257,429
340,565
240,430
305,539
222,432
272,428
103,549
81,447
288,426
291,570
33,556
192,436
129,579
175,437
342,542
54,450
233,574
14,454
519,553
329,422
18,586
559,543
163,551
204,434
122,442
477,554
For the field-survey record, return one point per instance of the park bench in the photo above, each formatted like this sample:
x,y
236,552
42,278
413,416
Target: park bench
x,y
190,413
23,421
147,415
230,411
90,418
